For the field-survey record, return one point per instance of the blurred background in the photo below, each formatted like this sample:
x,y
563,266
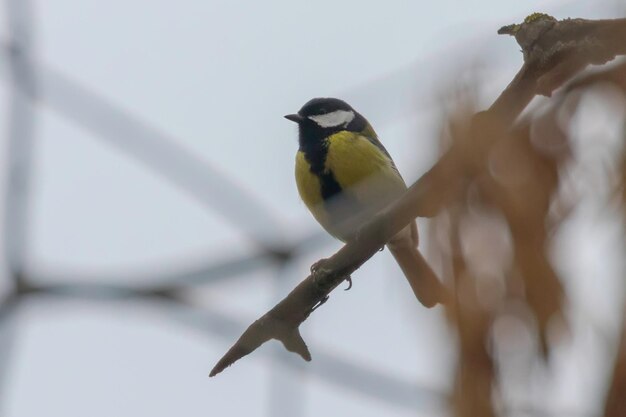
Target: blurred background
x,y
151,214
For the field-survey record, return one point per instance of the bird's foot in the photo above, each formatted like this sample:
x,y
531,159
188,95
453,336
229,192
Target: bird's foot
x,y
319,268
319,271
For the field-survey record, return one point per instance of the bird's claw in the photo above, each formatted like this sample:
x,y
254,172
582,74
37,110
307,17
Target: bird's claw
x,y
349,279
319,304
318,266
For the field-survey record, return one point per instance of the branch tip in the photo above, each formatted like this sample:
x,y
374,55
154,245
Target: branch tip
x,y
509,29
294,342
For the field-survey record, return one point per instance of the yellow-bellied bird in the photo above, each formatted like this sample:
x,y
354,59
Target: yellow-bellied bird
x,y
345,175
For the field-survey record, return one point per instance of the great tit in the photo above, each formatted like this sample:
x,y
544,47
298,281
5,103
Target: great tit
x,y
345,175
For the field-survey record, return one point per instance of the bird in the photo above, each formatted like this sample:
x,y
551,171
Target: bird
x,y
344,176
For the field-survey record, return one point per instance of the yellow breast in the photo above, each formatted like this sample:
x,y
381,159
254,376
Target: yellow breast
x,y
365,174
352,158
309,188
362,169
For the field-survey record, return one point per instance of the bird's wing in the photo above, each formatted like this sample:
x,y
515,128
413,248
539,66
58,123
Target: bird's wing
x,y
363,169
370,134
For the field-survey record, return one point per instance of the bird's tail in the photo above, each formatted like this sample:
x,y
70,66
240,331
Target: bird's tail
x,y
423,280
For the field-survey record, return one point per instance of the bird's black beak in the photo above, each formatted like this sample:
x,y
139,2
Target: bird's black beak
x,y
295,118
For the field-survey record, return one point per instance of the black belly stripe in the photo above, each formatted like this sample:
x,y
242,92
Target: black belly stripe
x,y
340,206
315,155
330,186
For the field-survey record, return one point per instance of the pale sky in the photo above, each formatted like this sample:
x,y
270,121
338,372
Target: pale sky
x,y
217,77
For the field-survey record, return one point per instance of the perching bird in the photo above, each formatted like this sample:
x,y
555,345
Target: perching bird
x,y
345,175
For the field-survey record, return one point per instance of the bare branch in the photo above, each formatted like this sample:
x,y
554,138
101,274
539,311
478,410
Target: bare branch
x,y
554,51
615,402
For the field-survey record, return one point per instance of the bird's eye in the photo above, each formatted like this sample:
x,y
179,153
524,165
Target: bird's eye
x,y
322,111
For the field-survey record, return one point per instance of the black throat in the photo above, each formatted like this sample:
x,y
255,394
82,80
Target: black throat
x,y
313,141
314,145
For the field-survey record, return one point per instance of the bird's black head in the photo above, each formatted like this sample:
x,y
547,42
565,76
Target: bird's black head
x,y
321,117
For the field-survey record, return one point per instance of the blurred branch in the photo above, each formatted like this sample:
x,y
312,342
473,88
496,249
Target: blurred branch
x,y
615,404
201,275
475,370
615,75
20,134
205,274
8,330
157,151
21,127
554,51
210,321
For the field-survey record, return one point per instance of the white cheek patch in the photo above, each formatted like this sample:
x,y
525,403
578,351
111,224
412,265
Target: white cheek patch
x,y
334,119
